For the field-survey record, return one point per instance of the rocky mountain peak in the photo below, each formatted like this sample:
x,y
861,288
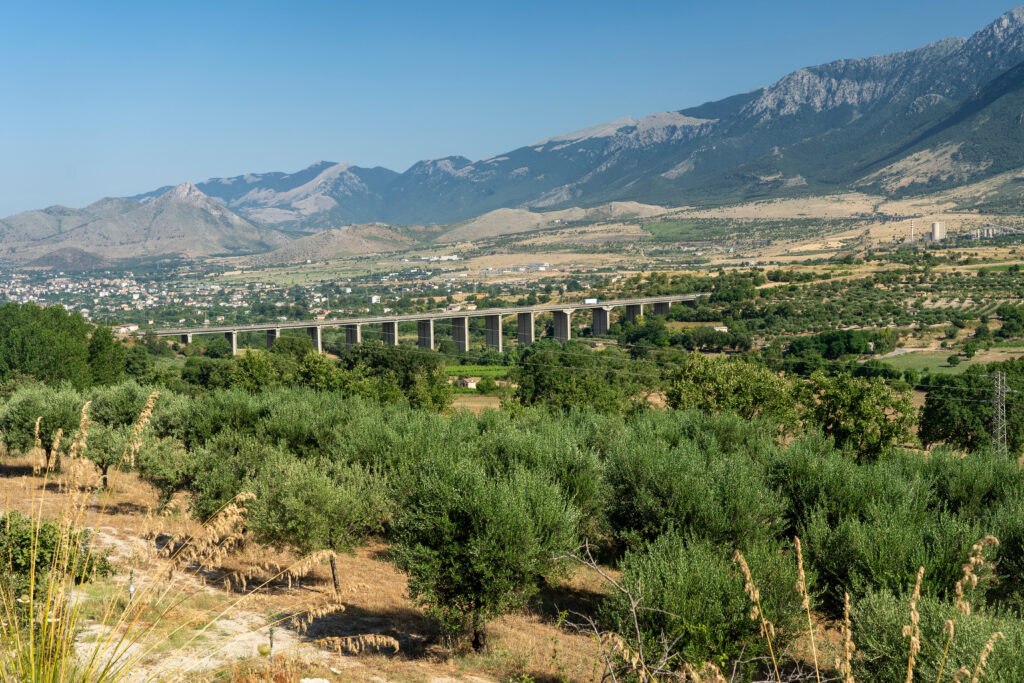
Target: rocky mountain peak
x,y
189,193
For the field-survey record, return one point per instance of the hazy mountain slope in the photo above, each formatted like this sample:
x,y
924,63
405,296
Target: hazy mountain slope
x,y
513,221
323,195
337,242
54,220
181,221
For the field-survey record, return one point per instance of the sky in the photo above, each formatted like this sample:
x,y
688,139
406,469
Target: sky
x,y
118,98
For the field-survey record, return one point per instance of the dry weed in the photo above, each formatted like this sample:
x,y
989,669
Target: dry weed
x,y
756,613
805,601
355,645
913,629
845,665
976,563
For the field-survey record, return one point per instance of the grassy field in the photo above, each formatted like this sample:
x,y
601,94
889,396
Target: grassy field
x,y
494,371
931,361
936,361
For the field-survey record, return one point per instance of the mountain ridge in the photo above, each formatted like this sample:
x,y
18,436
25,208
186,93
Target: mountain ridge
x,y
918,120
182,221
857,112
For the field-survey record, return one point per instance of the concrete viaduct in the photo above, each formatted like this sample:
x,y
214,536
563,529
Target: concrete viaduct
x,y
460,323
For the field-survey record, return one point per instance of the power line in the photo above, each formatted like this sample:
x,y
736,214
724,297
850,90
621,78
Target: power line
x,y
999,416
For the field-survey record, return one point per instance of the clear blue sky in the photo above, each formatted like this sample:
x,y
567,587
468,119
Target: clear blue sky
x,y
130,96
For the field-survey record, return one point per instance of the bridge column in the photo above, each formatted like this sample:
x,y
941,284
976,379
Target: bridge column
x,y
563,329
186,338
425,333
633,311
601,323
493,330
525,328
390,332
314,334
232,338
662,307
353,334
272,335
460,333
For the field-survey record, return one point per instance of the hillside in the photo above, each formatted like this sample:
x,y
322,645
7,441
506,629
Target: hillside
x,y
182,221
349,240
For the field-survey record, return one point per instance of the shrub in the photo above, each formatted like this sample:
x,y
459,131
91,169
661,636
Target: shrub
x,y
884,544
29,547
106,448
692,487
694,591
166,465
714,384
864,415
878,621
317,505
59,409
118,405
225,467
476,546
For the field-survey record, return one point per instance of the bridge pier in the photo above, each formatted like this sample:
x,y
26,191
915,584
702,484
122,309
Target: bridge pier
x,y
272,336
425,333
314,334
662,308
186,338
460,333
563,328
525,328
493,331
633,311
390,332
353,335
601,322
232,338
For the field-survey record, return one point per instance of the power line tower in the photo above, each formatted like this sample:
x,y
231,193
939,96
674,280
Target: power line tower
x,y
999,412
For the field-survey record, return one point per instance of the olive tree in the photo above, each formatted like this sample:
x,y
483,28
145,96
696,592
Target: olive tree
x,y
715,384
55,409
476,545
862,414
313,505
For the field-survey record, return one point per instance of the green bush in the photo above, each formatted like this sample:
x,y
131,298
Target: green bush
x,y
166,465
694,591
59,408
225,467
105,446
28,548
887,542
118,405
694,488
476,546
878,620
315,505
715,384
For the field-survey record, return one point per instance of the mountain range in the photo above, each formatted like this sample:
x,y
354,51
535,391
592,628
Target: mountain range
x,y
913,122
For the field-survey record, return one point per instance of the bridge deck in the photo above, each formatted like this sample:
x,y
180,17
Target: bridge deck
x,y
431,315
